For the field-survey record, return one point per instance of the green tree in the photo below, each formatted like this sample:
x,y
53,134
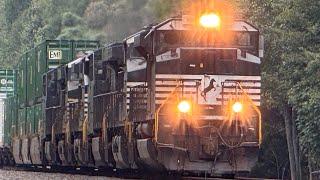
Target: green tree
x,y
290,69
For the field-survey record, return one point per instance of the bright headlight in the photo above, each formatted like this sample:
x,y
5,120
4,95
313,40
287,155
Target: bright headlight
x,y
211,20
237,107
184,106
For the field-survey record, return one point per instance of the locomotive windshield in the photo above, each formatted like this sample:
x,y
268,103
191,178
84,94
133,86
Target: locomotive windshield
x,y
169,39
201,61
205,52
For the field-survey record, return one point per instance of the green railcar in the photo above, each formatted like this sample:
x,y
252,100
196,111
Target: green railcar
x,y
21,124
29,83
33,64
34,118
31,74
14,120
30,120
7,83
10,120
7,121
48,55
7,92
21,81
38,117
45,56
83,46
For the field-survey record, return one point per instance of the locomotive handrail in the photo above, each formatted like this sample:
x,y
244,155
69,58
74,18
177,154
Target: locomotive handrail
x,y
53,107
84,129
172,146
158,111
161,24
109,93
256,109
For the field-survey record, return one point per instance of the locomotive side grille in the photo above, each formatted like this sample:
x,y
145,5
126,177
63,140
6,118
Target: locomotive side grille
x,y
137,102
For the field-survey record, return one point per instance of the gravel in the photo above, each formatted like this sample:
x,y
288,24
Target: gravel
x,y
26,175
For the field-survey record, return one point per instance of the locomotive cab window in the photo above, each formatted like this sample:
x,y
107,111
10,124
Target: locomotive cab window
x,y
168,40
243,39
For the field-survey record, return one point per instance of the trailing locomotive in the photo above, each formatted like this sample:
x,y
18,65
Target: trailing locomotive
x,y
175,96
24,118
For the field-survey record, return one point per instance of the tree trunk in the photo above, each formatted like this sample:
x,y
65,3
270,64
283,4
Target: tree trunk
x,y
296,149
288,125
310,168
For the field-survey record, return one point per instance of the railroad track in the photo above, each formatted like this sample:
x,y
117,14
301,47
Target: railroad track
x,y
118,174
220,178
78,171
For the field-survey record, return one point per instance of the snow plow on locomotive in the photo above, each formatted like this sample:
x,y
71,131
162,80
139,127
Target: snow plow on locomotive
x,y
172,97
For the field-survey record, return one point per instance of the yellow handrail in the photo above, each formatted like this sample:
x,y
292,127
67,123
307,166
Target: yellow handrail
x,y
158,111
257,110
84,129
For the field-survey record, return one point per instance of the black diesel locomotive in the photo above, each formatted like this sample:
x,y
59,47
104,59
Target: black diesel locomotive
x,y
175,96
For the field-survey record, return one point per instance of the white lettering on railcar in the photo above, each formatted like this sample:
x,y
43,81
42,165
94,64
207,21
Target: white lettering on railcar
x,y
3,81
55,54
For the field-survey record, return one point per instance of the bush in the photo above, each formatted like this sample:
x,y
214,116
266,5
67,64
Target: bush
x,y
69,19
